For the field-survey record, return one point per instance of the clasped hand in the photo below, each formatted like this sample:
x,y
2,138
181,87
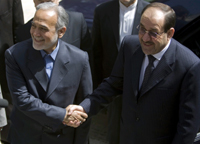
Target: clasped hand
x,y
75,115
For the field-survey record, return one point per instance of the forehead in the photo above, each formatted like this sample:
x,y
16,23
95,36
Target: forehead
x,y
45,17
153,17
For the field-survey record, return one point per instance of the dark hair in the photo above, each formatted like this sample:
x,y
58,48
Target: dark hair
x,y
170,16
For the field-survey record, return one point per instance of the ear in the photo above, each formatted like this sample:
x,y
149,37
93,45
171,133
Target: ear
x,y
61,32
170,33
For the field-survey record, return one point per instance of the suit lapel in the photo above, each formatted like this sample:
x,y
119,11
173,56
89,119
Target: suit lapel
x,y
136,64
163,69
114,20
139,9
37,67
60,68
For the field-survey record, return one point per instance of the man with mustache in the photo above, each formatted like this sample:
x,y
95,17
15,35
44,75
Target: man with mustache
x,y
159,81
44,76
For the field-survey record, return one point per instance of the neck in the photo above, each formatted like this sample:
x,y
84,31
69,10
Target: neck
x,y
127,4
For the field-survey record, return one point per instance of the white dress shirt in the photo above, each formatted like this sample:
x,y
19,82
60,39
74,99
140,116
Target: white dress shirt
x,y
145,62
127,16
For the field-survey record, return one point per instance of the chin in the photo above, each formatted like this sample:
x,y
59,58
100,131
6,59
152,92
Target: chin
x,y
37,47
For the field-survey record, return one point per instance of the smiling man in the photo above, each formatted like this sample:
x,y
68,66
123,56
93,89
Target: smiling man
x,y
45,75
159,82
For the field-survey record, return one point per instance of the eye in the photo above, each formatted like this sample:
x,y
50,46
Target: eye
x,y
43,28
153,34
143,30
33,26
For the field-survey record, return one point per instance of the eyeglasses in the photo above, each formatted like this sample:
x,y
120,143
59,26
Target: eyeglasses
x,y
152,34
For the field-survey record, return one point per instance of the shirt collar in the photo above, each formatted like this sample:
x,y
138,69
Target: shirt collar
x,y
159,55
131,7
53,54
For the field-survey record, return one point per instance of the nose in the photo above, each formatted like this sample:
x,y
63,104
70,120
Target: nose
x,y
146,37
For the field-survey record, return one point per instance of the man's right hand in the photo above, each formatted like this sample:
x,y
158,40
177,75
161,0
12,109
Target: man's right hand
x,y
75,115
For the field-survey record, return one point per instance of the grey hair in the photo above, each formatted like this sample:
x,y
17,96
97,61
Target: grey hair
x,y
63,17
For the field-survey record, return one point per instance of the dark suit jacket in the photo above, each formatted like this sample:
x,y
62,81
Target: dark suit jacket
x,y
39,106
77,32
106,37
11,17
168,110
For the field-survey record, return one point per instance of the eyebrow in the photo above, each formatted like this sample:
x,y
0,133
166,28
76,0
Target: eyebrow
x,y
148,30
43,26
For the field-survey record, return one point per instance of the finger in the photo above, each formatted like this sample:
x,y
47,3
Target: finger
x,y
75,107
68,110
74,124
84,115
80,116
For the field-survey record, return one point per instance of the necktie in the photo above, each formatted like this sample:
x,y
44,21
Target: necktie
x,y
148,71
49,65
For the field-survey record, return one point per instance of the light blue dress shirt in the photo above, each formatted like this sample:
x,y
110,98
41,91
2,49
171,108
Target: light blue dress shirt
x,y
50,60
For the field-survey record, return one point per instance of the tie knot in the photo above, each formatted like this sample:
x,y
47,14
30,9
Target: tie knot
x,y
151,59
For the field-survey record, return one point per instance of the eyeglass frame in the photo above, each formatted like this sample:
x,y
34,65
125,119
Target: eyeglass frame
x,y
149,32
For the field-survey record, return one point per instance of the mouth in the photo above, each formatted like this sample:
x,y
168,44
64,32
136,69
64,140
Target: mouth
x,y
147,44
38,40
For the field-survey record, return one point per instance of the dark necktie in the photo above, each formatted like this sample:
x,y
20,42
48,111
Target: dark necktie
x,y
148,71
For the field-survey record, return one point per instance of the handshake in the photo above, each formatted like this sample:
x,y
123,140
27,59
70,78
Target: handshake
x,y
75,115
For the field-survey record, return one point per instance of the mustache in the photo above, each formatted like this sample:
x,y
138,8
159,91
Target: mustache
x,y
148,42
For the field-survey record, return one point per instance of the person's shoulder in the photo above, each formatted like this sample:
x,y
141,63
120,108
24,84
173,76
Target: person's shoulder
x,y
74,14
130,44
144,2
134,39
71,48
107,5
20,47
184,53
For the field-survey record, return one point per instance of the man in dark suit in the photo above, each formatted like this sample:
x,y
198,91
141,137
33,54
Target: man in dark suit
x,y
112,21
107,33
77,32
11,17
45,75
159,82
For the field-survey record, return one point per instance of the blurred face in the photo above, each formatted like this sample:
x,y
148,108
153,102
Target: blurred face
x,y
43,30
152,21
127,3
37,2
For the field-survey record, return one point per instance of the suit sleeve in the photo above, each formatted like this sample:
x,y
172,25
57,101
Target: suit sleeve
x,y
97,50
189,107
84,89
108,89
31,106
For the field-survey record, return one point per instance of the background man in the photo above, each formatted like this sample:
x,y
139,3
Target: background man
x,y
112,21
11,17
159,80
45,75
77,32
